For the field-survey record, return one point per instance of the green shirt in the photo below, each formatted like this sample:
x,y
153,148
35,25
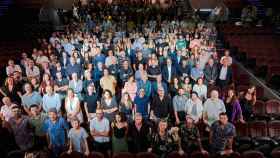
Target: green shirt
x,y
37,124
180,44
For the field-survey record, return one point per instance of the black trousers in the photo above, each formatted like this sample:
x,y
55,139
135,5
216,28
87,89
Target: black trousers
x,y
102,147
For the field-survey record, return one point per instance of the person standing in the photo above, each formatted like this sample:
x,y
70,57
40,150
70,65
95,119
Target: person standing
x,y
6,109
126,107
119,131
30,97
161,106
37,120
233,108
78,138
73,107
141,102
108,82
211,72
21,128
139,135
100,130
169,71
51,100
91,102
130,87
109,105
76,85
162,142
212,108
225,75
56,129
221,136
179,106
190,137
195,107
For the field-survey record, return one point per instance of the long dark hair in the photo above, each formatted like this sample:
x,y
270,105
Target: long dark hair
x,y
122,115
234,98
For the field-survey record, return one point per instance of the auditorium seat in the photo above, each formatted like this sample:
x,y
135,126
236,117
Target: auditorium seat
x,y
199,154
259,133
252,154
275,154
146,155
273,108
96,155
175,154
258,129
74,154
15,154
242,140
123,155
235,155
259,110
274,130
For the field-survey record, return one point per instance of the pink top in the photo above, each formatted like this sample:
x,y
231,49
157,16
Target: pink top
x,y
6,112
131,89
195,42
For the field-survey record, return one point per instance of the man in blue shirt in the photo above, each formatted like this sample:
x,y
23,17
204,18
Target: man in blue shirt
x,y
221,136
99,57
138,44
68,47
51,100
73,67
125,72
196,72
141,102
56,129
30,97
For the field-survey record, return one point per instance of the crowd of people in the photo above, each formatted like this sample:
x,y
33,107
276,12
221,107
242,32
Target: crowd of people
x,y
115,83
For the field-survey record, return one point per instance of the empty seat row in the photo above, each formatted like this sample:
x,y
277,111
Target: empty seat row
x,y
139,155
258,129
246,154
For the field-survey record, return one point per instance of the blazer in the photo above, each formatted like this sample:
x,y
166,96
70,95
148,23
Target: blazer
x,y
165,73
211,72
64,63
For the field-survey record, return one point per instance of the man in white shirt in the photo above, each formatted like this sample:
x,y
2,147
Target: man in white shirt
x,y
6,109
41,58
225,75
11,68
227,56
100,129
32,70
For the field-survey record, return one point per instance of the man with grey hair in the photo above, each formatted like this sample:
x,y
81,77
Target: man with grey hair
x,y
213,106
161,105
139,134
